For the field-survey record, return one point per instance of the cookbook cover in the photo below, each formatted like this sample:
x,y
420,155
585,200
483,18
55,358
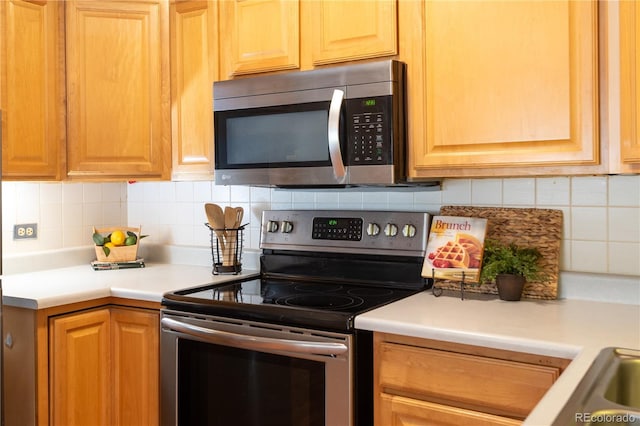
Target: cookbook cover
x,y
454,248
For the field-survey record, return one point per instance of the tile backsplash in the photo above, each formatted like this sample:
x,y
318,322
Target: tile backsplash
x,y
601,232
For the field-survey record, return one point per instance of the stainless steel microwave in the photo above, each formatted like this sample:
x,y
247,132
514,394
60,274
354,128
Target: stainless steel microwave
x,y
340,126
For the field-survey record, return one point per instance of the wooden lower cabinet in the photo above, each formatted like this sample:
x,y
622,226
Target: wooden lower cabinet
x,y
104,367
135,343
80,369
420,382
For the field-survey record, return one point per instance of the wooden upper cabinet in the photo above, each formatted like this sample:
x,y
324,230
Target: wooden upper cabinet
x,y
346,30
193,70
504,87
32,101
258,36
630,83
118,89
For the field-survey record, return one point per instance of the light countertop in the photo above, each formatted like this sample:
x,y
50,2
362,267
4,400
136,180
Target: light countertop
x,y
571,329
54,287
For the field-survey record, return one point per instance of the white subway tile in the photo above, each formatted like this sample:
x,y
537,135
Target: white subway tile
x,y
429,197
624,258
113,192
184,192
92,193
401,200
624,224
589,256
589,223
219,194
260,195
624,191
456,192
589,191
519,192
203,192
486,192
553,191
349,200
72,193
50,193
240,194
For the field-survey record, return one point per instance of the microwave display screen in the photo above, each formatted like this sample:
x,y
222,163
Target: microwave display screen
x,y
285,137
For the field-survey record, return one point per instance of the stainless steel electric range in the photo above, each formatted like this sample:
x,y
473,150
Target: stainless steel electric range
x,y
282,349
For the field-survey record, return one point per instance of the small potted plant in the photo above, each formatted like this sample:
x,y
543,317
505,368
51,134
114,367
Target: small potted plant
x,y
510,266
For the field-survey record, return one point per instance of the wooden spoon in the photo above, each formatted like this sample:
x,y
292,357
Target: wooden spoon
x,y
216,219
232,219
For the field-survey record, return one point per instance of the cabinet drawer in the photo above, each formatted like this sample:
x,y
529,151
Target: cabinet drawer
x,y
401,411
492,385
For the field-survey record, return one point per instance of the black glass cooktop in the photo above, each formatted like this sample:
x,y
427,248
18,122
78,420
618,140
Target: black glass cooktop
x,y
323,305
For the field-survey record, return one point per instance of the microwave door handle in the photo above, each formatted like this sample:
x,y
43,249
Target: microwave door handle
x,y
247,341
335,153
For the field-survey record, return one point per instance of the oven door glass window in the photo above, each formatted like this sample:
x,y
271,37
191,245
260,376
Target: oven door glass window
x,y
220,385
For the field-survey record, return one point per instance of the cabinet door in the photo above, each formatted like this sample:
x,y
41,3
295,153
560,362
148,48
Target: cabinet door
x,y
401,411
193,64
80,369
32,50
118,89
630,82
345,30
505,85
135,348
258,36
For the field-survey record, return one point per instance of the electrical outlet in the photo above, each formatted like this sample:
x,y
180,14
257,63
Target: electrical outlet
x,y
25,231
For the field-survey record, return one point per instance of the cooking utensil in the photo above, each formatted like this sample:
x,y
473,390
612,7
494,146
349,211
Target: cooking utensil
x,y
232,220
216,219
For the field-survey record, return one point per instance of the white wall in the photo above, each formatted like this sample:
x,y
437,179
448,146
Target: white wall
x,y
601,214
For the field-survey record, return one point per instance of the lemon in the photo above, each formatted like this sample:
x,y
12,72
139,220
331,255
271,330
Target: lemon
x,y
110,245
118,238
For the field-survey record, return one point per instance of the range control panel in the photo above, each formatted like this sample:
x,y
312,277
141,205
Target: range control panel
x,y
349,231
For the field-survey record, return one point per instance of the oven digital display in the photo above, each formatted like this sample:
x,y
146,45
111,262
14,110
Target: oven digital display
x,y
332,228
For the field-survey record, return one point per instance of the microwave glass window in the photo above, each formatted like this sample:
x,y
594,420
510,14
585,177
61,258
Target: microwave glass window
x,y
292,137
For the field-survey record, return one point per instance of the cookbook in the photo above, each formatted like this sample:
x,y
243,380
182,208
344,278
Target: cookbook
x,y
454,248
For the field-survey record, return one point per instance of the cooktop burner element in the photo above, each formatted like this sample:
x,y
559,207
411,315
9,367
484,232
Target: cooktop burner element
x,y
309,277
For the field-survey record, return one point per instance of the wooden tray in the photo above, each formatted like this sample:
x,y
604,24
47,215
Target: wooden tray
x,y
526,227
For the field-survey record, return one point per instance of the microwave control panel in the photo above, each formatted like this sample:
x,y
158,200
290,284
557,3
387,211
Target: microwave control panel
x,y
370,122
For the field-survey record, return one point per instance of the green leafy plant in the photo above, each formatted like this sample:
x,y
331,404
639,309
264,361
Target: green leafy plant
x,y
510,259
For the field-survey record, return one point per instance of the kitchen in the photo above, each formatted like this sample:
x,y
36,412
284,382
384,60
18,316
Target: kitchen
x,y
171,214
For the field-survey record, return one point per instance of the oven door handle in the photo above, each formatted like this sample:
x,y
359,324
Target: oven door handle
x,y
254,342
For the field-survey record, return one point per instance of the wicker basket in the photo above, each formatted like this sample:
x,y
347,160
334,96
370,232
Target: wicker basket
x,y
118,253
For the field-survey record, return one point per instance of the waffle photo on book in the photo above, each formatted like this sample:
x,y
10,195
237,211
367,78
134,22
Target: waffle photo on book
x,y
454,248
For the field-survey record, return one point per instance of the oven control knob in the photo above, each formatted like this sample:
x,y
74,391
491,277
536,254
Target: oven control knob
x,y
272,226
373,229
409,230
286,227
391,230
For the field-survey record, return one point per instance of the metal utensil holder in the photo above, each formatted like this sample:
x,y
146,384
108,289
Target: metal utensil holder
x,y
227,254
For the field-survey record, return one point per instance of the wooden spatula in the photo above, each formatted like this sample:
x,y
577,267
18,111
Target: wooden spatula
x,y
216,219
